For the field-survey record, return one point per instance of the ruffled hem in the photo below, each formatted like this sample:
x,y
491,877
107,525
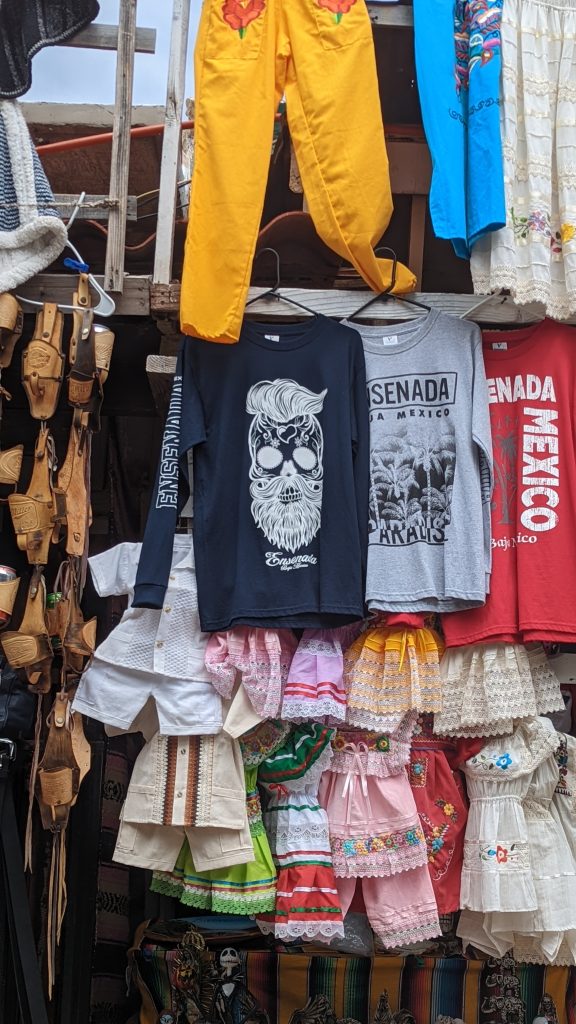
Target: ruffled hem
x,y
322,931
246,905
303,710
364,719
526,952
408,936
488,892
506,279
262,656
488,686
390,669
501,728
546,683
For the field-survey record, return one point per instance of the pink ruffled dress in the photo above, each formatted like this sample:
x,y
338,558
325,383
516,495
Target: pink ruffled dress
x,y
376,835
262,656
315,687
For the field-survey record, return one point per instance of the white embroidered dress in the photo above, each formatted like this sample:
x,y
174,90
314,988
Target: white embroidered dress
x,y
538,937
497,873
535,254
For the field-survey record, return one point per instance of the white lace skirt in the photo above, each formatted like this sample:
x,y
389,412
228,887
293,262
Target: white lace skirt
x,y
534,256
486,687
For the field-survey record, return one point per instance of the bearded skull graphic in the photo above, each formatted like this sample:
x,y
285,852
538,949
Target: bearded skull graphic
x,y
286,448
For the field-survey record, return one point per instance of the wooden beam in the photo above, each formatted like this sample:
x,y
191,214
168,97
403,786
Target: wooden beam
x,y
417,233
165,298
134,300
392,16
171,147
340,303
114,270
410,167
105,37
92,207
93,116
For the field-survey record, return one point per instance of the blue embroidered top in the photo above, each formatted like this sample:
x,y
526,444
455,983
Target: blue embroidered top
x,y
458,63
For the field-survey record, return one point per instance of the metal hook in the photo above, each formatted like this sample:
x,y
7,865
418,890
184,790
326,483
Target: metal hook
x,y
277,255
106,306
75,211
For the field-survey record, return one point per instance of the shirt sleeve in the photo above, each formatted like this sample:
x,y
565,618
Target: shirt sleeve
x,y
361,452
114,572
482,435
184,429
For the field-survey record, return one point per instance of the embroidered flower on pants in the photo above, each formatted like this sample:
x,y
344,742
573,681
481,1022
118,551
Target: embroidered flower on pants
x,y
504,761
413,837
567,233
239,13
337,7
418,773
501,854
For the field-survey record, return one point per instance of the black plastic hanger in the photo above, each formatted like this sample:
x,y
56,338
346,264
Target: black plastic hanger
x,y
273,292
387,294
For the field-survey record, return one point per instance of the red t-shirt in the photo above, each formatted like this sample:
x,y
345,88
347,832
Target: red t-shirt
x,y
532,392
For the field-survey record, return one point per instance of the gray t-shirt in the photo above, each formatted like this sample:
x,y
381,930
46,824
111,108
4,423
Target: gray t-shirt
x,y
430,466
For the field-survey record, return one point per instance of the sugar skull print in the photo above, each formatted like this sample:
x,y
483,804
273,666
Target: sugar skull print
x,y
286,449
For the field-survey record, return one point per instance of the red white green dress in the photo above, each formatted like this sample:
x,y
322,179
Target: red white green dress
x,y
307,904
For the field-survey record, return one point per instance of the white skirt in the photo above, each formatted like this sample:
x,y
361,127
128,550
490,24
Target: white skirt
x,y
486,687
534,256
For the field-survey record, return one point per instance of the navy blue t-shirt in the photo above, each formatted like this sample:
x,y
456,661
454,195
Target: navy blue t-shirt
x,y
279,427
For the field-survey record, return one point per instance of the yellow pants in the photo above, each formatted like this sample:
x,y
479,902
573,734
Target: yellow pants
x,y
249,53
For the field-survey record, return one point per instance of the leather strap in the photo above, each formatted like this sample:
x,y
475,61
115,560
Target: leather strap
x,y
30,515
29,647
74,480
81,637
83,299
90,353
11,324
58,776
80,745
22,651
8,591
11,464
35,513
43,363
22,944
80,391
77,637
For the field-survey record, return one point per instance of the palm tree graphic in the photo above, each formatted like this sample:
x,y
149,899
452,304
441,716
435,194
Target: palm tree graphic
x,y
440,501
391,477
406,511
433,455
505,472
